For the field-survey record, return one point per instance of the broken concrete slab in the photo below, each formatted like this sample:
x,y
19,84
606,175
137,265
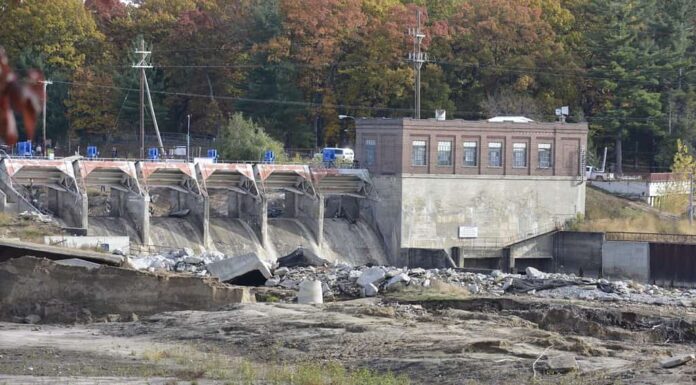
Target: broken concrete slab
x,y
310,292
371,275
370,290
534,273
301,257
246,269
78,262
398,278
560,364
30,285
673,362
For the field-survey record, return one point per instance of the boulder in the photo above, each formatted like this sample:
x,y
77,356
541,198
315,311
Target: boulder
x,y
560,364
370,290
534,273
401,277
370,276
246,269
281,271
673,362
301,257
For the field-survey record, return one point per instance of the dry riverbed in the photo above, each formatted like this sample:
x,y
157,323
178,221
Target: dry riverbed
x,y
467,340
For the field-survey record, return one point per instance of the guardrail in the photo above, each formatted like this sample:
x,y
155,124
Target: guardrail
x,y
651,237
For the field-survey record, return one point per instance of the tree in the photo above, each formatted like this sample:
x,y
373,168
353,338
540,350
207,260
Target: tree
x,y
242,139
91,104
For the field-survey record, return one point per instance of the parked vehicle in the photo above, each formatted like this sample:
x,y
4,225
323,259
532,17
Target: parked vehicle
x,y
592,173
342,154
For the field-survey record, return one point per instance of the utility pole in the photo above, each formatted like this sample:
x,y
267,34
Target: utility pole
x,y
691,198
45,96
418,58
188,137
145,87
142,64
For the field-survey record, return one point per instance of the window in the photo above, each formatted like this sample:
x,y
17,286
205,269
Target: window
x,y
370,151
544,155
470,155
519,155
444,153
419,153
495,154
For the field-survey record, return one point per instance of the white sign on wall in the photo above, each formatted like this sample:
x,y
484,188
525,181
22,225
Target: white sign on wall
x,y
468,231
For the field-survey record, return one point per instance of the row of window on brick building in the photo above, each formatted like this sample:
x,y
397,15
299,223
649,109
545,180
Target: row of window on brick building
x,y
470,153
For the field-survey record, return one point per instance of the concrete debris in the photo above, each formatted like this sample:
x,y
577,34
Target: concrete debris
x,y
395,279
371,276
673,362
559,364
246,269
534,273
35,216
350,281
310,292
370,290
301,257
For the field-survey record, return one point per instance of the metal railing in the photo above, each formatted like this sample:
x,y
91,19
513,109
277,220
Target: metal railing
x,y
650,237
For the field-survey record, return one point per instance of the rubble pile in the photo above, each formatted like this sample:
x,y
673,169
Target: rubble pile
x,y
346,281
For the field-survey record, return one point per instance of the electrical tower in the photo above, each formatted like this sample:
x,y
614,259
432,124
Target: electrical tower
x,y
417,58
145,87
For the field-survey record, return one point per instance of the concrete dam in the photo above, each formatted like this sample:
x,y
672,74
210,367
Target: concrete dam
x,y
269,209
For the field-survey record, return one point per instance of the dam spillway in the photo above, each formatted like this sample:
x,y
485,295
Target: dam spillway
x,y
270,209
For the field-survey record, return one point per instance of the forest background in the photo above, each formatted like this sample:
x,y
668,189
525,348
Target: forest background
x,y
292,66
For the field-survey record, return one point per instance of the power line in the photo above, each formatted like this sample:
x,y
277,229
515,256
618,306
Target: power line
x,y
319,105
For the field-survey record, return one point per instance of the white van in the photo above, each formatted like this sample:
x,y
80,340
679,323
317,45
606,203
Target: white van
x,y
345,154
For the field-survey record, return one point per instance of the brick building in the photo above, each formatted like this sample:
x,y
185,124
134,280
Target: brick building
x,y
470,188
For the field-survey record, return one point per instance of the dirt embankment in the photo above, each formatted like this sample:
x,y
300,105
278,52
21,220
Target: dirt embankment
x,y
38,287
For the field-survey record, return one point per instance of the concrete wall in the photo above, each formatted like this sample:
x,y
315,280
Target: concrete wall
x,y
504,209
385,214
113,243
70,207
578,252
135,208
31,285
626,260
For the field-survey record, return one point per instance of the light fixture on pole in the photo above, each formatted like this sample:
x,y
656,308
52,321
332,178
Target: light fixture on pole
x,y
45,97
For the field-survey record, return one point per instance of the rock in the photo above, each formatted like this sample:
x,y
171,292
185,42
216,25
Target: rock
x,y
507,283
354,274
496,273
426,283
370,276
370,290
301,257
675,361
180,213
113,317
534,273
193,260
473,288
281,271
393,273
417,271
401,277
118,251
289,284
212,256
271,282
560,364
245,269
32,319
134,317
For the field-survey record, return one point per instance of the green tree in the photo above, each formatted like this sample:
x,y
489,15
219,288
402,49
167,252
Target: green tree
x,y
242,139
